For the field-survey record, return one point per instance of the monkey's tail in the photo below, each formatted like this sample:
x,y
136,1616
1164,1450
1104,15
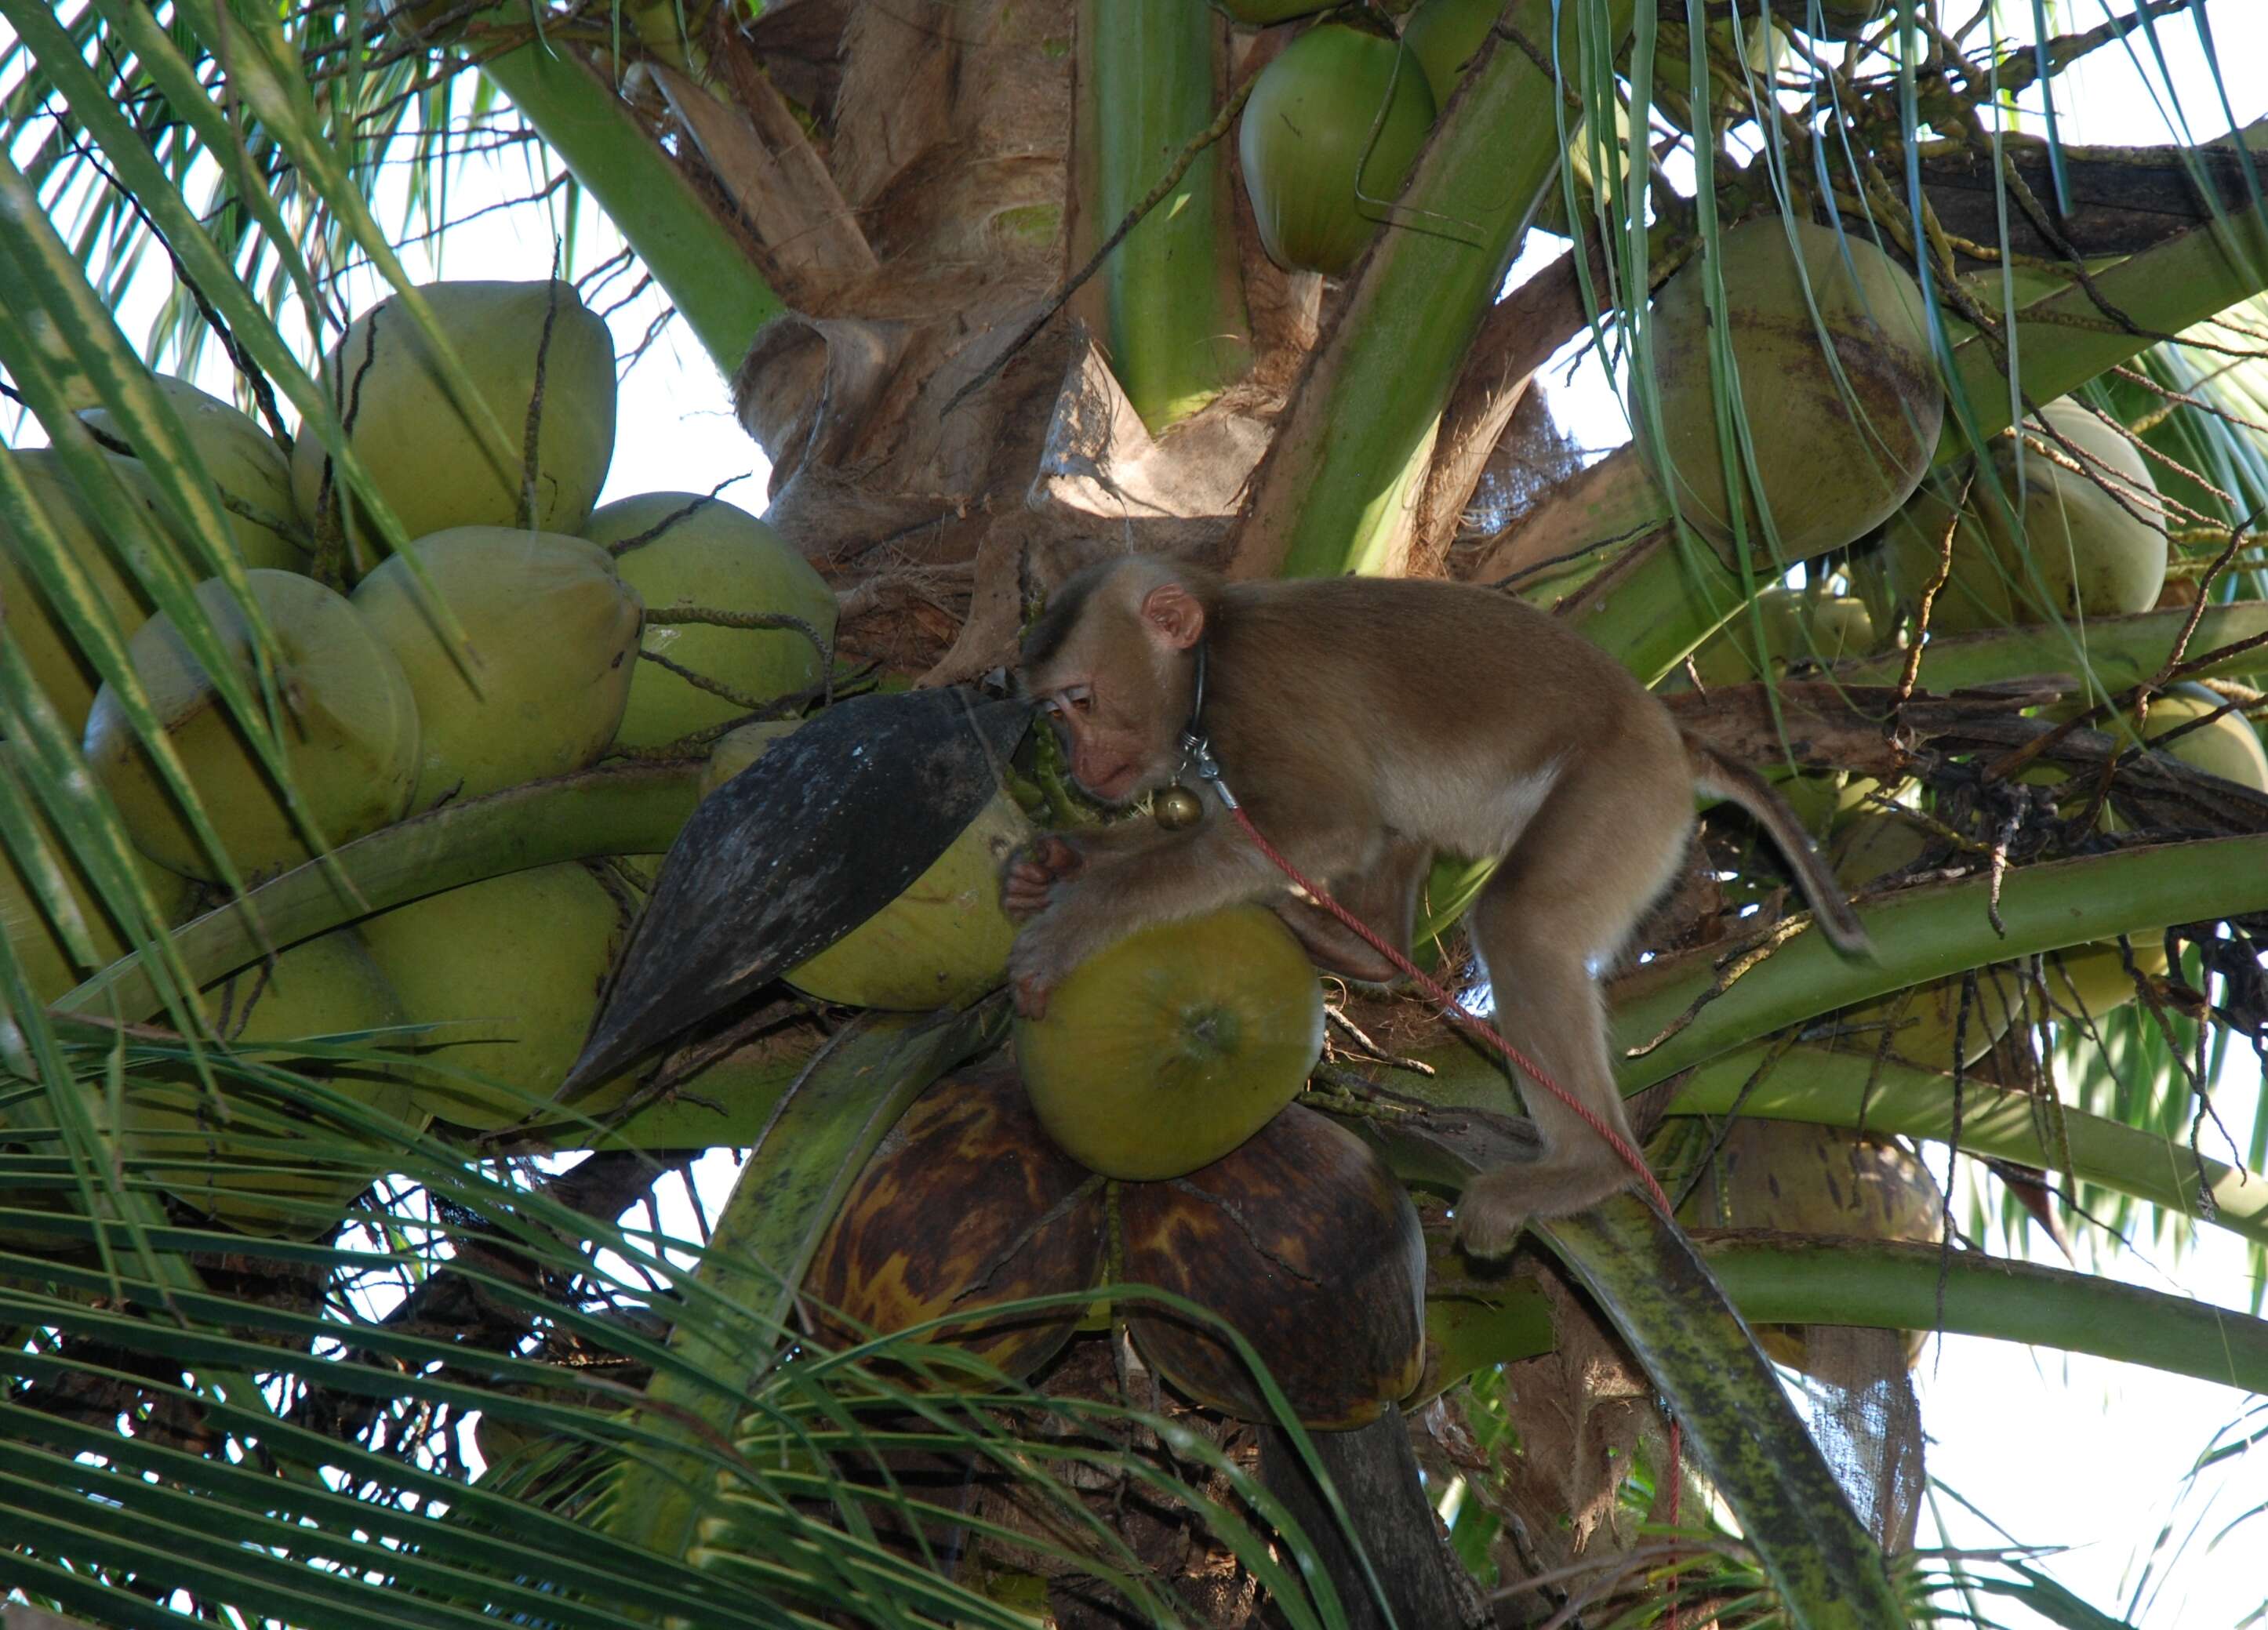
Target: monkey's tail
x,y
1728,778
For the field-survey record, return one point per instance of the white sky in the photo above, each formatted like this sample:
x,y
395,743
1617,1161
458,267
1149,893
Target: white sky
x,y
2073,1450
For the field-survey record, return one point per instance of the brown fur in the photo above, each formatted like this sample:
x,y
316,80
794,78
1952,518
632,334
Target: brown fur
x,y
1365,724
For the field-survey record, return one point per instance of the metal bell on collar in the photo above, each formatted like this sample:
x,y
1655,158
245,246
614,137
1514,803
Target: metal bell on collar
x,y
1177,808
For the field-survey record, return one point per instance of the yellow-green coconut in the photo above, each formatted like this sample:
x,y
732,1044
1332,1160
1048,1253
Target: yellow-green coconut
x,y
434,470
1174,1045
551,640
684,551
736,750
2229,747
348,732
255,1163
510,970
1838,448
1330,134
42,952
39,632
246,466
942,942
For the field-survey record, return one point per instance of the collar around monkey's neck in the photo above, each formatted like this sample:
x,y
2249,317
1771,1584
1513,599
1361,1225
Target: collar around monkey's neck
x,y
1197,759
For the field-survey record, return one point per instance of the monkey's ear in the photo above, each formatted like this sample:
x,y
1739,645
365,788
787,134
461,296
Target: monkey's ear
x,y
1175,614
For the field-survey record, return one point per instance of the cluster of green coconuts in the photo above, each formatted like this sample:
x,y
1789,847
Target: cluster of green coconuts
x,y
383,717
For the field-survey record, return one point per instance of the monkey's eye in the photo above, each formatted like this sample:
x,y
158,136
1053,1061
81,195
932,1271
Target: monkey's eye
x,y
1080,698
1051,710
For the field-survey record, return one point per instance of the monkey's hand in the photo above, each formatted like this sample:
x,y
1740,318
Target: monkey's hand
x,y
1051,945
1029,883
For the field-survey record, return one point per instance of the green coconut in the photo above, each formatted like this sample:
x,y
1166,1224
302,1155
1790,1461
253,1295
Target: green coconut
x,y
42,955
2059,542
682,551
244,462
1174,1044
1330,134
1834,457
1975,593
1798,627
1444,36
736,750
432,468
511,969
2094,554
944,941
348,732
552,633
2228,747
255,1164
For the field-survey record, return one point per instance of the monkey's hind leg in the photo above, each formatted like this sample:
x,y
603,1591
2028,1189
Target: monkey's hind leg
x,y
1569,892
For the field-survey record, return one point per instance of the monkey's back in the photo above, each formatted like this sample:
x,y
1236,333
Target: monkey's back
x,y
1455,706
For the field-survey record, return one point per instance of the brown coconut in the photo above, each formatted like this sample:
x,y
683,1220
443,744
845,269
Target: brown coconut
x,y
1800,1179
965,1206
1308,1247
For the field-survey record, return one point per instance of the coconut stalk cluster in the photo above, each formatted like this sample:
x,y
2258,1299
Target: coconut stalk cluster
x,y
521,635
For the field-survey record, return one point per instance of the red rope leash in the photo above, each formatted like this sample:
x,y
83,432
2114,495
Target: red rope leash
x,y
1457,1015
1520,1060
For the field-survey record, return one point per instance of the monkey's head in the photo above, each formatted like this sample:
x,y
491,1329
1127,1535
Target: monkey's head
x,y
1109,663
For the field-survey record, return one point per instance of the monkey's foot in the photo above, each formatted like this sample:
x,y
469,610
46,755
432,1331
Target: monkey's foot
x,y
1493,1211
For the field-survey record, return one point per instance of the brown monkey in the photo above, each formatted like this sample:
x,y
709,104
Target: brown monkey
x,y
1365,723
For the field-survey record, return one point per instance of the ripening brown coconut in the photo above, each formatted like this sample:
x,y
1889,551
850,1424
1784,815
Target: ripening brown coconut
x,y
964,1206
1800,1179
1308,1247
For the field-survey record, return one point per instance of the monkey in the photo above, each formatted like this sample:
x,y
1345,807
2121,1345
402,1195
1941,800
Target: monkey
x,y
1365,723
